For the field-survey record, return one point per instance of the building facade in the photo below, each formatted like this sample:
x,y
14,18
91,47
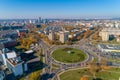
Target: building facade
x,y
64,36
51,35
107,32
13,62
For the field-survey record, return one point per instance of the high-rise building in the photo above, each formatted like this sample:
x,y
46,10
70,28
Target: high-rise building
x,y
63,36
105,36
51,35
39,19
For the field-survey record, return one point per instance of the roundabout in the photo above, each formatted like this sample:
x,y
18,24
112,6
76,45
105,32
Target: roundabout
x,y
69,55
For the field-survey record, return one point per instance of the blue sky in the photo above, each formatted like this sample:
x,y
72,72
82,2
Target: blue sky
x,y
59,8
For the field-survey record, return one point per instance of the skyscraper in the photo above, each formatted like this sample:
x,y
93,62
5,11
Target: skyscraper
x,y
105,36
63,36
39,20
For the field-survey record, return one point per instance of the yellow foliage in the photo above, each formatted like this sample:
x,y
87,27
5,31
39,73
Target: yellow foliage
x,y
35,76
106,67
27,41
87,33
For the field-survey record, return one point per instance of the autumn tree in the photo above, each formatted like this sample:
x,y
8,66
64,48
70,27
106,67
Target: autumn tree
x,y
96,35
80,37
84,78
94,68
68,42
27,41
87,34
58,43
104,65
51,42
35,76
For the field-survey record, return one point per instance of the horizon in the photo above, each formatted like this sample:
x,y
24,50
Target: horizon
x,y
59,9
57,18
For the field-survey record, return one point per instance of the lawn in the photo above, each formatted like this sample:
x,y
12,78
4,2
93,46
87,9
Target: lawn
x,y
69,55
112,74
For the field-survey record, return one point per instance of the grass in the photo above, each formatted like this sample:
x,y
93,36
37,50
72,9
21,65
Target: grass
x,y
54,65
53,68
75,55
112,74
74,74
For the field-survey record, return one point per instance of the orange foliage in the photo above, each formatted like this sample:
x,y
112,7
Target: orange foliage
x,y
106,67
84,78
87,34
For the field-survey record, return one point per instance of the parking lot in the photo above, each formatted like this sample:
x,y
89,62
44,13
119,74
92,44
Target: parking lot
x,y
110,54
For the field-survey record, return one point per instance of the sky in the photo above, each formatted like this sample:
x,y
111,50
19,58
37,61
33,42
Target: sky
x,y
10,9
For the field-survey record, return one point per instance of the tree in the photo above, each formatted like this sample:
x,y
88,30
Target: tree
x,y
96,35
51,42
84,78
68,42
104,65
35,76
27,41
87,34
80,37
94,67
23,42
58,43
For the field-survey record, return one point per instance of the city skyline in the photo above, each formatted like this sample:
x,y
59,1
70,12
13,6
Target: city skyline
x,y
10,9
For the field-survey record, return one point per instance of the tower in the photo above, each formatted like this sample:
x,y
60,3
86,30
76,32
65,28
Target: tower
x,y
105,36
63,36
39,20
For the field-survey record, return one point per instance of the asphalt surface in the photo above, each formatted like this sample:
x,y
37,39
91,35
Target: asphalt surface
x,y
83,45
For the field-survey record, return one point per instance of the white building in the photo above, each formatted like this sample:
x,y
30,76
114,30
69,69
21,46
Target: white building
x,y
106,32
64,36
51,35
13,62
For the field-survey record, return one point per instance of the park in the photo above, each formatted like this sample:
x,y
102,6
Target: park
x,y
69,55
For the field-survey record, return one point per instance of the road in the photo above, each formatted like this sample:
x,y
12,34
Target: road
x,y
47,51
84,44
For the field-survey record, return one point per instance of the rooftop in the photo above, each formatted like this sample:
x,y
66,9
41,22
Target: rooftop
x,y
15,61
